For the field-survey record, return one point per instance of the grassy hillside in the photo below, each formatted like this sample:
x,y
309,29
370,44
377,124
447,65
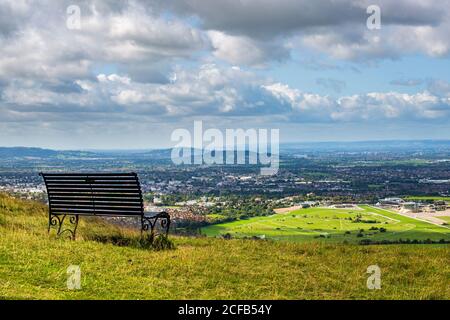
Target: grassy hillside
x,y
333,225
33,265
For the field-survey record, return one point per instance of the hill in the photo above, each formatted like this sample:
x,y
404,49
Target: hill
x,y
33,265
20,152
38,153
370,146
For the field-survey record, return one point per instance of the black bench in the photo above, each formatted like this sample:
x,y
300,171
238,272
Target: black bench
x,y
98,194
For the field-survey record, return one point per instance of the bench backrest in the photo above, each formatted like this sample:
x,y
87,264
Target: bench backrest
x,y
109,194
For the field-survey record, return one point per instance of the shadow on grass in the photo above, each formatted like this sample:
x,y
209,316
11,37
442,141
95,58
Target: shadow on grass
x,y
158,243
102,231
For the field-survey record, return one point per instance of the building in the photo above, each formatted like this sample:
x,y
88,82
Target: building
x,y
307,204
440,205
391,201
412,206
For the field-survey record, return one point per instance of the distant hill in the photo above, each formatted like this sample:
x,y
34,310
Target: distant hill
x,y
365,146
156,154
26,152
285,149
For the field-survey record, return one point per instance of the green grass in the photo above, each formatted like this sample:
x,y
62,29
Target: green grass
x,y
331,225
216,216
447,219
33,265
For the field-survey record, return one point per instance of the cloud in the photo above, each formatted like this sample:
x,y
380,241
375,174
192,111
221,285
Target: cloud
x,y
267,19
336,27
370,107
218,92
440,88
303,106
407,82
13,14
248,32
126,36
391,42
242,50
331,84
210,90
168,61
377,106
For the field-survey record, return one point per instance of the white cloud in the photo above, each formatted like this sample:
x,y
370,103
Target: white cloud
x,y
336,27
42,48
242,50
370,107
213,91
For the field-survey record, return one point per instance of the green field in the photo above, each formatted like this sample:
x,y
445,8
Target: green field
x,y
332,225
33,265
445,219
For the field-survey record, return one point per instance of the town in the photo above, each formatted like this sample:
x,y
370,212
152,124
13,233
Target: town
x,y
197,195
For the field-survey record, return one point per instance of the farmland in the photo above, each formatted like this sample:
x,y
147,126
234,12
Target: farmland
x,y
333,225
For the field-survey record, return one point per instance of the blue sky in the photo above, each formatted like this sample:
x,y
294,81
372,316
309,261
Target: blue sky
x,y
133,71
361,78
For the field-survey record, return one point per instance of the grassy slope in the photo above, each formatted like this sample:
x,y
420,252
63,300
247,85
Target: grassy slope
x,y
33,265
306,224
445,219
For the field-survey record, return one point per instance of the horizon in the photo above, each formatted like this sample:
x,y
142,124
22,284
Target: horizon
x,y
282,144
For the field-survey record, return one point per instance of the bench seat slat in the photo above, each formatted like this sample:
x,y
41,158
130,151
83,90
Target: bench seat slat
x,y
92,180
94,204
97,212
96,208
96,183
106,196
51,179
87,174
97,201
98,191
93,186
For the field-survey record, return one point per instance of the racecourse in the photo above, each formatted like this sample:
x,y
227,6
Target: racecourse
x,y
333,225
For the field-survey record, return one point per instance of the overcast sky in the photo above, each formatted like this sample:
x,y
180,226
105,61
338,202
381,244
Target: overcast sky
x,y
136,70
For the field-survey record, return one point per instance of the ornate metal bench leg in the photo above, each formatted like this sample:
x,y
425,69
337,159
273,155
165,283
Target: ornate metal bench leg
x,y
49,223
148,225
58,222
165,222
75,222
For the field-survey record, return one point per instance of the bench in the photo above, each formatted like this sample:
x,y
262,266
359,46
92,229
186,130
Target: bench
x,y
71,195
